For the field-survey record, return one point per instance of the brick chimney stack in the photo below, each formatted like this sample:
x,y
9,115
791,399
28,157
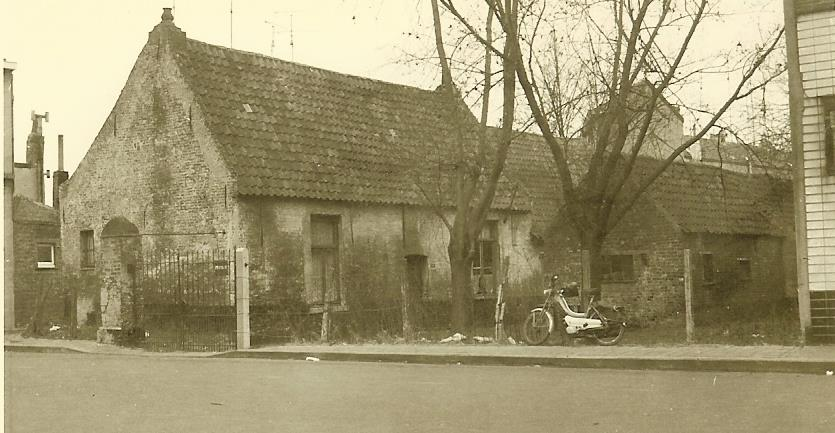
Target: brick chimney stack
x,y
60,176
34,153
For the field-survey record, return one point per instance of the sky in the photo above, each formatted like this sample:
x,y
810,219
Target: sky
x,y
73,57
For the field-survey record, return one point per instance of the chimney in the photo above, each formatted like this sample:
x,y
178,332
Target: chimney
x,y
166,33
59,176
34,153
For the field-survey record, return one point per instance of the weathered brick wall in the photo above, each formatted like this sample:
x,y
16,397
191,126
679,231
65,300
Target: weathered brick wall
x,y
730,285
658,288
29,281
154,164
373,242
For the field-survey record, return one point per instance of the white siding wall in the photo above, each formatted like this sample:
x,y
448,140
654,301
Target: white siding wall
x,y
816,43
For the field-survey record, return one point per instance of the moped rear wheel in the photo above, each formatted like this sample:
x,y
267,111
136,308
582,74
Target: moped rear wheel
x,y
611,335
538,326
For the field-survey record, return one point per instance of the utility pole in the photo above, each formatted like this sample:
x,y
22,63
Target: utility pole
x,y
230,23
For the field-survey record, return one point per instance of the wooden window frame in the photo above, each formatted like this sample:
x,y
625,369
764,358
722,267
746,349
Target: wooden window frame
x,y
708,272
748,268
488,240
88,255
321,250
48,264
608,272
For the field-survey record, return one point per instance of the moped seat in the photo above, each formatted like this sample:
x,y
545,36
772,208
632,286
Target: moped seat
x,y
593,292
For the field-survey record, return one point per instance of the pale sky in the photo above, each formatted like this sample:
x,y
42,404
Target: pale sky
x,y
73,57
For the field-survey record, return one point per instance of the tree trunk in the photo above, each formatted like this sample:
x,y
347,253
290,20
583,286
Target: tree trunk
x,y
592,241
462,294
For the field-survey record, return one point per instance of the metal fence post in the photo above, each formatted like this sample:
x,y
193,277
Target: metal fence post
x,y
242,297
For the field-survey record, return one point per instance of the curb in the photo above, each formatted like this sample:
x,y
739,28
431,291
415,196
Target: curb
x,y
691,364
40,349
661,364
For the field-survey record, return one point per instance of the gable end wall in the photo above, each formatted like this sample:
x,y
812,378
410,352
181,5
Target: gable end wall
x,y
153,163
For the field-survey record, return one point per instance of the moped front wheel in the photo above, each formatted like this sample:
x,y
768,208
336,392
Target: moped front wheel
x,y
538,326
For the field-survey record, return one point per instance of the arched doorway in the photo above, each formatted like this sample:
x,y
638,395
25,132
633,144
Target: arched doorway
x,y
120,257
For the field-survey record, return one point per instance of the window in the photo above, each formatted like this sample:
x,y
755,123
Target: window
x,y
484,258
324,252
744,268
619,267
829,133
46,256
88,252
708,269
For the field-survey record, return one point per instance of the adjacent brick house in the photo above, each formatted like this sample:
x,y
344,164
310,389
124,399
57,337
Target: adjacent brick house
x,y
737,227
810,41
317,173
32,267
37,264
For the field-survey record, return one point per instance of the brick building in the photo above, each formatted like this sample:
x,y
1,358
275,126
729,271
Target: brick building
x,y
319,174
37,276
738,228
32,230
810,42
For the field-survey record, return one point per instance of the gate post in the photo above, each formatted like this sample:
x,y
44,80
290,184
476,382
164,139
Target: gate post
x,y
242,297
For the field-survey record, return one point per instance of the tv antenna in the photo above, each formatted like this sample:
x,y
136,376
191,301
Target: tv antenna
x,y
273,26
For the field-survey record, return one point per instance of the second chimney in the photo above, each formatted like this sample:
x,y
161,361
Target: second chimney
x,y
59,176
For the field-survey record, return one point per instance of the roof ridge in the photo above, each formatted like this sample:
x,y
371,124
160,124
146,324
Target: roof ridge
x,y
304,65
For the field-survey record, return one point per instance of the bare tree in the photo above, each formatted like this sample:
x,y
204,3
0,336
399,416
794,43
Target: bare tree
x,y
476,173
629,60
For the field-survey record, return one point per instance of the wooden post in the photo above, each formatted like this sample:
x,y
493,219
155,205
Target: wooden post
x,y
242,297
406,307
499,316
688,295
799,170
326,322
74,309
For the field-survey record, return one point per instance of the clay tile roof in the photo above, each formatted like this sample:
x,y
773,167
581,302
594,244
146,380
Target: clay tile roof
x,y
26,210
291,130
531,167
697,198
705,199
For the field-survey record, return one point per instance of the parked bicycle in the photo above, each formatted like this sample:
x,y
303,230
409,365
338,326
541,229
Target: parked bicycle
x,y
606,329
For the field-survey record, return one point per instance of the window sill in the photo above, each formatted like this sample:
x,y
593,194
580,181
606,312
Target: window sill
x,y
45,266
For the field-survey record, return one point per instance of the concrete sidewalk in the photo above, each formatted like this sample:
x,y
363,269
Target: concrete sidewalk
x,y
777,359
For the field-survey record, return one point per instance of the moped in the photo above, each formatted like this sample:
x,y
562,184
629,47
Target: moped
x,y
606,329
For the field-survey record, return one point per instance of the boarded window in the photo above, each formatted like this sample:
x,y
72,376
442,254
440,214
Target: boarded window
x,y
46,256
708,269
88,252
485,258
744,268
618,267
324,252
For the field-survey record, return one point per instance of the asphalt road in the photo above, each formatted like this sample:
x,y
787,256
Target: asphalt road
x,y
100,393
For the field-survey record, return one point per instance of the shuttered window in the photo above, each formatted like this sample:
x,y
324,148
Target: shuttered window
x,y
324,252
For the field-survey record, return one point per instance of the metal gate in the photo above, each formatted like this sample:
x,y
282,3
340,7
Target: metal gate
x,y
188,301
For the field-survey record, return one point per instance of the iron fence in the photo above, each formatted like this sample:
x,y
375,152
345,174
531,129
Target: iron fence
x,y
186,301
